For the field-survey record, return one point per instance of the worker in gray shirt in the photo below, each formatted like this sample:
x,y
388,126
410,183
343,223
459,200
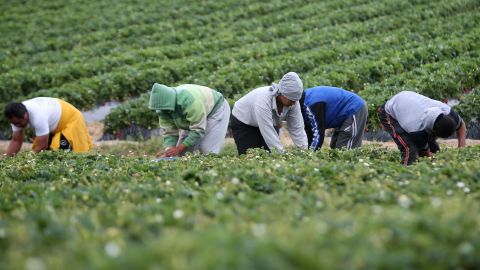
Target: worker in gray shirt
x,y
257,116
415,121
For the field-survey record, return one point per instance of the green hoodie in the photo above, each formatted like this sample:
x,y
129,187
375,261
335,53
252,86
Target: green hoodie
x,y
193,104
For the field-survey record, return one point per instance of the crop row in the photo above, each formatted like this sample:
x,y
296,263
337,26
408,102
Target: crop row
x,y
359,209
33,77
358,46
129,80
184,29
104,27
87,46
45,76
351,74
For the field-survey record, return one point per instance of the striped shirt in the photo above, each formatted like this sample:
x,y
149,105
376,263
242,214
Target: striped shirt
x,y
194,103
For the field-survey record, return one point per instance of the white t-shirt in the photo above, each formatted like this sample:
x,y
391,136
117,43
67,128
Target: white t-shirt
x,y
44,114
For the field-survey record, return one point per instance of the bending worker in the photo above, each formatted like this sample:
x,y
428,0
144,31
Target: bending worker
x,y
415,121
193,117
57,125
257,116
330,107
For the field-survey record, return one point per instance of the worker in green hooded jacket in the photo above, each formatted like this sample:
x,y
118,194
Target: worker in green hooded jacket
x,y
193,117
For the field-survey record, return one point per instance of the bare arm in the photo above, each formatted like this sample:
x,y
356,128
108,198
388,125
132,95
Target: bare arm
x,y
461,135
15,144
41,143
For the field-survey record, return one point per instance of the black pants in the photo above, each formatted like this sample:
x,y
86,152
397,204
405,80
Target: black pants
x,y
408,149
64,144
246,136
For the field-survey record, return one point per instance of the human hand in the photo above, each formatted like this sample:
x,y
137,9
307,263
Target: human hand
x,y
175,151
160,154
172,152
425,153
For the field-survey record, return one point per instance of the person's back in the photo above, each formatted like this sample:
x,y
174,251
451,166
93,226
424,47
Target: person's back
x,y
194,103
412,110
193,117
210,98
415,121
44,115
57,124
331,107
244,108
340,103
256,117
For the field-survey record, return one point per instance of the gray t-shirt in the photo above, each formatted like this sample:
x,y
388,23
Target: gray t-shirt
x,y
415,112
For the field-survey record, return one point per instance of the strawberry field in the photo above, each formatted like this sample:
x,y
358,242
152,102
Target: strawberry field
x,y
326,210
331,209
91,52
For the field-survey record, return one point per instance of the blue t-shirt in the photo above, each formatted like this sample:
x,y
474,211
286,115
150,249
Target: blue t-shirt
x,y
340,104
326,107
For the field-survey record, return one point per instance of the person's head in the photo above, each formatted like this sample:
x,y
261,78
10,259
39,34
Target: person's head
x,y
290,88
17,114
162,98
444,126
285,101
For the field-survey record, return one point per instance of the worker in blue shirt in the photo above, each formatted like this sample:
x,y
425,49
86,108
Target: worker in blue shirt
x,y
331,107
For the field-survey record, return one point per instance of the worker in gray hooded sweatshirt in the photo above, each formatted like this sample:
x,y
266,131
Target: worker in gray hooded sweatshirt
x,y
257,116
415,121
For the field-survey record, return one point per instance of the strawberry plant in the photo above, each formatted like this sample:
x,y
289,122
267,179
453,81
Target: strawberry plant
x,y
358,208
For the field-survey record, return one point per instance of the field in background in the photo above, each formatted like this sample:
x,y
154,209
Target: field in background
x,y
91,52
115,208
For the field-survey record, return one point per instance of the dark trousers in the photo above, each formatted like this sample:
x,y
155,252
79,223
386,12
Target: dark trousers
x,y
64,144
404,143
408,150
246,136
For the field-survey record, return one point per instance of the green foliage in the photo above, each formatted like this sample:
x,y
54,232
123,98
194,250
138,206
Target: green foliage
x,y
301,210
330,209
469,107
387,54
375,49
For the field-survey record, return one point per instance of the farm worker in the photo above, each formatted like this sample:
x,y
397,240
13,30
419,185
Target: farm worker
x,y
415,121
57,125
193,117
257,116
330,107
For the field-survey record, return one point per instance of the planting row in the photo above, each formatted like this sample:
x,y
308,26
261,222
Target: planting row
x,y
378,73
57,72
130,81
359,209
183,29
